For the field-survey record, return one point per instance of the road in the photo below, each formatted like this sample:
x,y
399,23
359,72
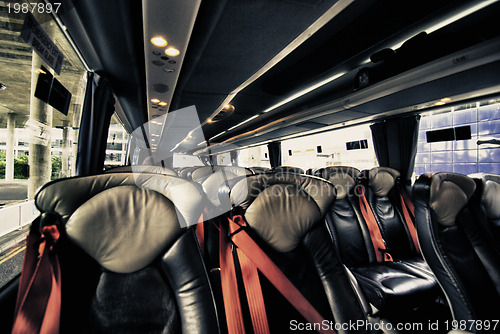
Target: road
x,y
11,262
12,245
12,248
13,191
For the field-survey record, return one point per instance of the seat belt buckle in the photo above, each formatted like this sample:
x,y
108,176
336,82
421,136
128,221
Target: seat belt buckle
x,y
387,256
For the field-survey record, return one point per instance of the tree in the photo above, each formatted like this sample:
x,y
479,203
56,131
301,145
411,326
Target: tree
x,y
21,167
56,167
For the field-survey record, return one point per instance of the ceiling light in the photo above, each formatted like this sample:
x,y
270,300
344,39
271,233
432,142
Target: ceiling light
x,y
157,123
446,99
162,104
155,100
220,134
239,124
210,120
172,52
159,41
305,91
155,135
451,19
440,103
460,15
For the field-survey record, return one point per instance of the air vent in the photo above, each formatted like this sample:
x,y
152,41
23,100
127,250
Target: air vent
x,y
160,88
157,63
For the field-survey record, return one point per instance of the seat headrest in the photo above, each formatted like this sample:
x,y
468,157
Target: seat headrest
x,y
214,181
64,196
491,193
185,171
118,229
282,208
342,177
288,169
382,180
201,173
143,169
449,194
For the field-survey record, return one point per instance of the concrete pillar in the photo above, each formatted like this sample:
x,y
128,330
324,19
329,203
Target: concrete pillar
x,y
39,154
66,146
9,152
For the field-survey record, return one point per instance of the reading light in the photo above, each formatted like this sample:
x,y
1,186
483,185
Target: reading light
x,y
159,41
162,104
446,99
155,100
172,52
210,120
228,107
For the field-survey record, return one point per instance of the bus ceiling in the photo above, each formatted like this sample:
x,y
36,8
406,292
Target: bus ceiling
x,y
286,67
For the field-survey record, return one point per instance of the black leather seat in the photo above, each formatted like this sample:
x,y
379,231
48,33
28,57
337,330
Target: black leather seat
x,y
260,170
142,169
222,176
451,227
186,172
388,286
285,213
288,169
128,262
488,187
380,189
199,174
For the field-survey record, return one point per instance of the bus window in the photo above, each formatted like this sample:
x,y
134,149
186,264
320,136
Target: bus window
x,y
350,146
116,145
40,109
257,156
462,139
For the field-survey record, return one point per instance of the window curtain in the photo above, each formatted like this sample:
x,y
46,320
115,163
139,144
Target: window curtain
x,y
274,150
98,107
395,143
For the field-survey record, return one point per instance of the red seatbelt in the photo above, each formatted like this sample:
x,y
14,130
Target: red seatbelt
x,y
252,253
200,234
377,240
232,306
38,303
253,291
409,216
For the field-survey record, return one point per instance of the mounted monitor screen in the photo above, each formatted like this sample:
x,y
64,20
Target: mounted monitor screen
x,y
51,91
43,84
59,97
449,134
